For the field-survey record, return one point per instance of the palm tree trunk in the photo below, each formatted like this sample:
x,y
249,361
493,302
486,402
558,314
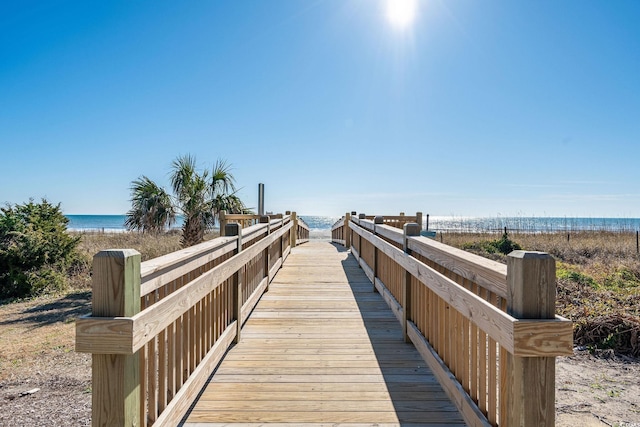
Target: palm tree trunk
x,y
192,232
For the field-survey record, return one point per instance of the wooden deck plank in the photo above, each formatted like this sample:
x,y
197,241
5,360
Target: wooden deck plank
x,y
321,348
391,388
285,424
303,362
261,369
423,417
385,405
330,395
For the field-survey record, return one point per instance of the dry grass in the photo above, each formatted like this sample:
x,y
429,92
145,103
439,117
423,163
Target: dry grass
x,y
598,282
150,246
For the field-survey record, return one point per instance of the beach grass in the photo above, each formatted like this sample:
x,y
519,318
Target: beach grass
x,y
598,281
149,245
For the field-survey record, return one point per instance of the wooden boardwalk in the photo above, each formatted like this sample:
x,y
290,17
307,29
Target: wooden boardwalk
x,y
322,349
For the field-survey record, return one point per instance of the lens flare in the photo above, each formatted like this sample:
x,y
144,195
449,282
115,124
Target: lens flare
x,y
401,13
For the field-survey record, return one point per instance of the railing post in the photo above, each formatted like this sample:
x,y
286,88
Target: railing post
x,y
294,230
409,229
267,252
236,230
360,216
222,217
116,378
353,215
346,231
419,219
378,220
528,383
288,213
281,256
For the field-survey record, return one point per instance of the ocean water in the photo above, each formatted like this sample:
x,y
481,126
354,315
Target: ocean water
x,y
96,222
530,224
320,226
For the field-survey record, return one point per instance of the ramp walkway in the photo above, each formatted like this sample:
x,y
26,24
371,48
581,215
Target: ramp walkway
x,y
322,348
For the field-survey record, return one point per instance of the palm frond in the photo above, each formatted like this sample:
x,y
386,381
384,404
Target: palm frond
x,y
222,180
183,174
151,207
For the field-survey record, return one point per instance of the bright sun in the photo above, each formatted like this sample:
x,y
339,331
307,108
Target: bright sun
x,y
401,13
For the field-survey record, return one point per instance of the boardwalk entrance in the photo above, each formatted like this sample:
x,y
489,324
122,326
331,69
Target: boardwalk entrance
x,y
321,348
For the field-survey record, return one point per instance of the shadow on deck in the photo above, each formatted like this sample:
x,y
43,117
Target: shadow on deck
x,y
322,348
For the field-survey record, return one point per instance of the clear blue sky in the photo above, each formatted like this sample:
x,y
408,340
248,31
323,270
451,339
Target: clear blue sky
x,y
473,108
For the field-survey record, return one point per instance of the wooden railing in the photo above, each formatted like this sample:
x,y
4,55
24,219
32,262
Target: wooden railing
x,y
158,328
488,331
299,233
338,230
245,220
300,230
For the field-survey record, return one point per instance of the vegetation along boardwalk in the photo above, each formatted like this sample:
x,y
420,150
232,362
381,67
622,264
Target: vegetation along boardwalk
x,y
322,348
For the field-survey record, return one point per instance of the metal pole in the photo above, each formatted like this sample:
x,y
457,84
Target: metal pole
x,y
260,199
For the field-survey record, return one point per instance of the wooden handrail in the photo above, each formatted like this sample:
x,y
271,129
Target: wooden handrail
x,y
339,230
190,307
104,335
489,274
461,311
518,336
245,220
301,230
159,271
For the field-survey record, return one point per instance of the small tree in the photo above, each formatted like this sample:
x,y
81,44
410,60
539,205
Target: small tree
x,y
35,249
199,196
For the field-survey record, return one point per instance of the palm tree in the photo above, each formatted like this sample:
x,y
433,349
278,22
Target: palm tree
x,y
201,197
193,195
198,196
152,209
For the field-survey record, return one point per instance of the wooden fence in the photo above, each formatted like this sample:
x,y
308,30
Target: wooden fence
x,y
158,328
488,331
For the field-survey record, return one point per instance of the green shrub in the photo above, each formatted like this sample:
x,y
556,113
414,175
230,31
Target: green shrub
x,y
504,245
622,278
35,249
570,274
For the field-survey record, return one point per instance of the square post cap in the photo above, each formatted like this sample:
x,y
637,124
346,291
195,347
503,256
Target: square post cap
x,y
232,229
411,229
